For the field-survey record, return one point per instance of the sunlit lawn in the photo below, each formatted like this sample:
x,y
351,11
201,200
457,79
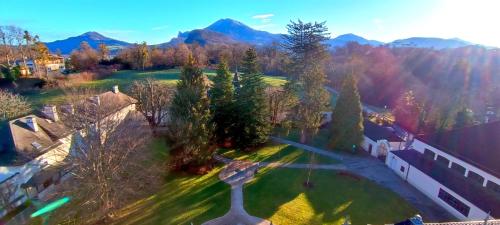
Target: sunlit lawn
x,y
275,194
320,140
272,152
279,196
124,79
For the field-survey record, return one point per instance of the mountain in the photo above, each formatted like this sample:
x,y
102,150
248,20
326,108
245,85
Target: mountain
x,y
204,36
342,40
66,46
243,33
225,31
430,42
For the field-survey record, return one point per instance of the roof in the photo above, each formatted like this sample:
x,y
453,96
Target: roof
x,y
25,139
29,144
478,145
478,195
377,132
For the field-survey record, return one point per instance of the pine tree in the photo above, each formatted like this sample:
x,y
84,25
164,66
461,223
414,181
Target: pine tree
x,y
304,45
252,127
222,103
347,118
190,127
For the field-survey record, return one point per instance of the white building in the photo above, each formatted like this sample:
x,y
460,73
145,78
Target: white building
x,y
379,140
458,169
41,146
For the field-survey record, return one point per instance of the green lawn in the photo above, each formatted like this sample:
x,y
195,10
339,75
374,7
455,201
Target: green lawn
x,y
124,79
275,194
279,196
277,153
321,140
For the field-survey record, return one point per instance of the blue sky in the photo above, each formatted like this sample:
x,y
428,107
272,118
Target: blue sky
x,y
159,21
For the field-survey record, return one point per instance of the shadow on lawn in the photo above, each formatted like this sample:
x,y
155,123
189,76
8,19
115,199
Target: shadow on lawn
x,y
279,195
184,199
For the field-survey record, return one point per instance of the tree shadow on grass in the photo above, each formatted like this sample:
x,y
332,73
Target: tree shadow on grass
x,y
184,199
279,194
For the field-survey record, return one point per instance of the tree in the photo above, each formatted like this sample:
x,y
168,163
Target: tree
x,y
222,103
41,55
182,54
252,127
408,111
190,130
305,48
464,118
103,51
85,58
153,99
10,74
12,106
110,162
143,55
347,118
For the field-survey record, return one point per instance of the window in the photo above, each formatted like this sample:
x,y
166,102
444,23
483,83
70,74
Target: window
x,y
443,161
493,187
429,154
402,169
476,178
458,168
454,202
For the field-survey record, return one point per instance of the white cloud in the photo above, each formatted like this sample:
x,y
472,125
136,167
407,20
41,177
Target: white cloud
x,y
266,16
160,27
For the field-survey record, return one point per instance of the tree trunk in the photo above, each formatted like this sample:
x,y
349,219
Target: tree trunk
x,y
303,136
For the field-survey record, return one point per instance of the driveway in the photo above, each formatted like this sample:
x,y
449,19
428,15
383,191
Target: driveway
x,y
375,170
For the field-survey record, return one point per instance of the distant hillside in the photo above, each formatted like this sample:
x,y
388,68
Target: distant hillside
x,y
225,31
66,46
429,42
342,40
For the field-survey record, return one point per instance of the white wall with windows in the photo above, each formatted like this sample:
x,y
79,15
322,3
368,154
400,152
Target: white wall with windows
x,y
446,198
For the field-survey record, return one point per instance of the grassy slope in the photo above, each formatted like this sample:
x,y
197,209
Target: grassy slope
x,y
279,196
124,79
276,153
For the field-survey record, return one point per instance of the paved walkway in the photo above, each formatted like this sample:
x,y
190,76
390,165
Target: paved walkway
x,y
237,214
375,170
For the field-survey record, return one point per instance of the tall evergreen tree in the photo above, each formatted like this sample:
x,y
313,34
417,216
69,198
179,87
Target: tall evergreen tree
x,y
347,118
304,45
252,127
222,103
190,127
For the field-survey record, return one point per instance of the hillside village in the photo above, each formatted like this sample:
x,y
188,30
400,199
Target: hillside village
x,y
222,126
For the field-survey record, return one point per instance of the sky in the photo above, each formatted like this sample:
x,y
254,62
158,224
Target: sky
x,y
159,21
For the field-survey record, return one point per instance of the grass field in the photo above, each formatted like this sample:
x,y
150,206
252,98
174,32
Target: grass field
x,y
275,194
276,153
124,79
279,196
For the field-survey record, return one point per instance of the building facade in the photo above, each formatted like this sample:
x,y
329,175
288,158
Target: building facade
x,y
459,170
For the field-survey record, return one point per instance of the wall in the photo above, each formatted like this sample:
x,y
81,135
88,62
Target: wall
x,y
430,187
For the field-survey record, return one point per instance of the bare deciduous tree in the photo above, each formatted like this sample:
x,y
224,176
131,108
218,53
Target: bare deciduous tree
x,y
111,164
12,105
153,99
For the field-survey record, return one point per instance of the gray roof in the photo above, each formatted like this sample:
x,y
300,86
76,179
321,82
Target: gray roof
x,y
377,132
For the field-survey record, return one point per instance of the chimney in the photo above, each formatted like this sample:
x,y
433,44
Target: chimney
x,y
31,122
115,89
50,112
96,99
68,108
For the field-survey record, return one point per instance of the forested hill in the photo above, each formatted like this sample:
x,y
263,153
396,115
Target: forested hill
x,y
441,81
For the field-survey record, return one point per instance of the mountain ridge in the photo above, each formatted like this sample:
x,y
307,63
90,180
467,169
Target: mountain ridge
x,y
227,30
